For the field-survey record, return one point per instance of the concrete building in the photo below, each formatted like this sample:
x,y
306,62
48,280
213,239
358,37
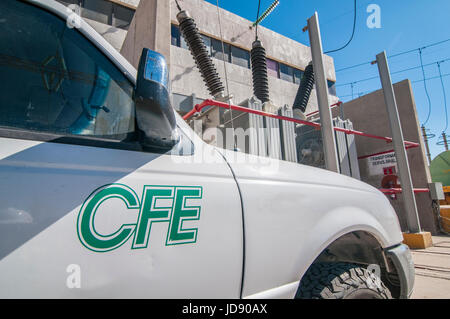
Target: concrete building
x,y
110,18
368,114
130,25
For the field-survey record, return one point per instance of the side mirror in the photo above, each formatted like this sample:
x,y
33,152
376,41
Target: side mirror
x,y
154,113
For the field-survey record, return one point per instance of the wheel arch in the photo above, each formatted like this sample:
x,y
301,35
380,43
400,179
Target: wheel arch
x,y
362,247
353,235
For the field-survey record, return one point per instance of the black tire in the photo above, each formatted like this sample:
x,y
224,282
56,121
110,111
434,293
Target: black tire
x,y
340,281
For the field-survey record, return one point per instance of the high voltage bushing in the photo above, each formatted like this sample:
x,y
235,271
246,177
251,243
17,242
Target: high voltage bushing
x,y
305,89
200,54
259,72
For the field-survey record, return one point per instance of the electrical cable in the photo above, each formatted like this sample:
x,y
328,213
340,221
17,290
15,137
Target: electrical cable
x,y
333,19
413,82
396,72
353,66
353,33
178,5
445,98
257,18
225,72
432,78
426,89
395,55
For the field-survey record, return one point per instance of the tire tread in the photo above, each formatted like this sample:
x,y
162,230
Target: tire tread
x,y
336,281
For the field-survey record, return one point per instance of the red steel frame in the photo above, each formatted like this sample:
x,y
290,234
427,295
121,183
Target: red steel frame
x,y
392,191
332,106
198,108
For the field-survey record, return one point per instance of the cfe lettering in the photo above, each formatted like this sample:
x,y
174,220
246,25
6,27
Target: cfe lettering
x,y
158,204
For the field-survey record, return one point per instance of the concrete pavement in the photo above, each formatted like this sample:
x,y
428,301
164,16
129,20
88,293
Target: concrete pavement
x,y
433,270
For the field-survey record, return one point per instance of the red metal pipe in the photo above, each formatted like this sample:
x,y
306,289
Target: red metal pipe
x,y
199,107
391,191
332,106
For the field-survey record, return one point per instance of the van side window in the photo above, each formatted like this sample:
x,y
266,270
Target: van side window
x,y
53,80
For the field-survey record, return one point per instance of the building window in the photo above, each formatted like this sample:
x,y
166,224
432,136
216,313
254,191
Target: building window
x,y
97,10
217,53
183,43
297,76
286,73
332,88
177,39
69,2
175,31
272,68
207,42
233,54
104,11
240,57
122,16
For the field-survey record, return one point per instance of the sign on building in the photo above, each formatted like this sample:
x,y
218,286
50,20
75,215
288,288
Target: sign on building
x,y
385,164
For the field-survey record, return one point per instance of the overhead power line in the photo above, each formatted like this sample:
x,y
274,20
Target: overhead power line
x,y
394,55
445,98
178,5
396,72
335,18
353,94
353,33
426,89
413,82
257,18
432,78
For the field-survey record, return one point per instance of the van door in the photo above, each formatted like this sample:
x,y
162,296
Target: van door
x,y
84,212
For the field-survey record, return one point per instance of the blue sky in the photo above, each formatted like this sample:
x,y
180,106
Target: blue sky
x,y
405,25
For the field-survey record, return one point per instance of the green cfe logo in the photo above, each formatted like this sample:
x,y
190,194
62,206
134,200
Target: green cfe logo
x,y
159,204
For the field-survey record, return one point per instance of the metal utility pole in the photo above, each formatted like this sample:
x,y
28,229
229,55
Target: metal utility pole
x,y
412,216
427,147
329,143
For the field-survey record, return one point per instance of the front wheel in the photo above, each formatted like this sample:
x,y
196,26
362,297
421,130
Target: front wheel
x,y
341,281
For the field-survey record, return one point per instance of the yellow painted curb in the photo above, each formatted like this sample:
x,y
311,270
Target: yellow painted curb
x,y
418,240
